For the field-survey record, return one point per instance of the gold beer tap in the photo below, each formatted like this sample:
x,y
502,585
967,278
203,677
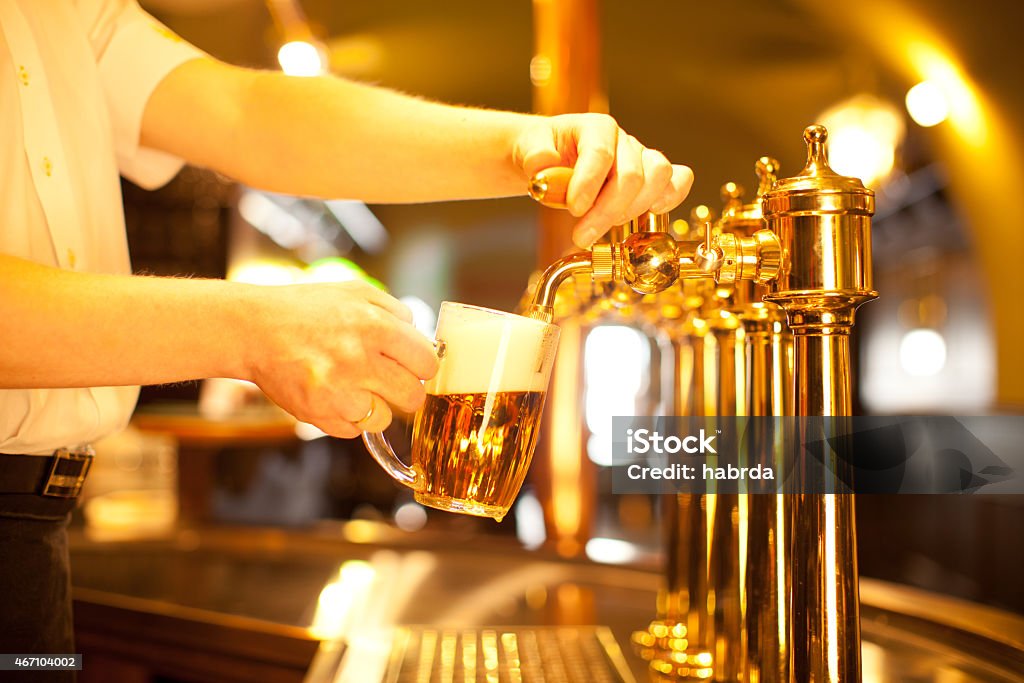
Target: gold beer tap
x,y
767,369
679,643
823,221
644,256
811,251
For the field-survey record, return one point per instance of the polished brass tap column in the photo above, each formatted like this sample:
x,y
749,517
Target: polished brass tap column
x,y
814,256
768,349
683,601
823,222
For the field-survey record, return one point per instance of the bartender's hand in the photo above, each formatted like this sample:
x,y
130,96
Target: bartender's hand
x,y
333,351
615,177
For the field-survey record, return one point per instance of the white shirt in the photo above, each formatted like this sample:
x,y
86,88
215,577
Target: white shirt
x,y
75,76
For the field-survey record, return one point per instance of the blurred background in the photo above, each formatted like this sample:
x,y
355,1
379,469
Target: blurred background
x,y
922,99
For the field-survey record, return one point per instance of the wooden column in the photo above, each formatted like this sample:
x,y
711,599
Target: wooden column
x,y
566,75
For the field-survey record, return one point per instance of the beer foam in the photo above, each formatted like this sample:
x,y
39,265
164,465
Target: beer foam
x,y
489,351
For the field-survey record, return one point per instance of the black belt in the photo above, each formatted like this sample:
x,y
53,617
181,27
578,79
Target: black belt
x,y
60,475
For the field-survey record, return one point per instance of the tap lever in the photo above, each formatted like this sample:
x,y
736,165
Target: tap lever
x,y
551,186
708,258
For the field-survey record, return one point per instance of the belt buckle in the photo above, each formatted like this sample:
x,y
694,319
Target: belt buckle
x,y
67,474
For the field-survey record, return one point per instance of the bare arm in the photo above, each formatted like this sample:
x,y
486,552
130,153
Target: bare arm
x,y
319,351
330,137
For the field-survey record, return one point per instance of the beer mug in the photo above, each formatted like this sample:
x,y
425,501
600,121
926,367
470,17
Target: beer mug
x,y
473,439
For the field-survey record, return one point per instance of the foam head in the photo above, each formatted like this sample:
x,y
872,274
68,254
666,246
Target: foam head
x,y
491,351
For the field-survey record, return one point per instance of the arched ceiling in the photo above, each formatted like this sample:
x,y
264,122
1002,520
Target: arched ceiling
x,y
713,84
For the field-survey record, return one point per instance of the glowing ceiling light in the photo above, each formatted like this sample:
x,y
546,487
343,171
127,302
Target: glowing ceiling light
x,y
863,135
967,115
927,104
301,58
854,151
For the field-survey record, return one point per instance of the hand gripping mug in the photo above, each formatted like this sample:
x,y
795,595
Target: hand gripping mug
x,y
473,439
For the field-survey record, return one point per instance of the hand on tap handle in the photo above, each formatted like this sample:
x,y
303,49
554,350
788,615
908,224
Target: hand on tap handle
x,y
587,164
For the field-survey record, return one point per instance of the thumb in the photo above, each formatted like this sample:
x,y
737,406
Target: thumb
x,y
537,151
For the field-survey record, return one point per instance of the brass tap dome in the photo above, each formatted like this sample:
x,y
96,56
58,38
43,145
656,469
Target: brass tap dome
x,y
817,188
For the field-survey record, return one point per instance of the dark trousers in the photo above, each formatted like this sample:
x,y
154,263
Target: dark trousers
x,y
35,587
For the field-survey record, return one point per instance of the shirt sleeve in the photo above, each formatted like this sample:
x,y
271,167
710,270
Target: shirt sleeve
x,y
135,53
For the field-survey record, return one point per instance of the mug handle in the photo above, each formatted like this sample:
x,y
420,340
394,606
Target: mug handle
x,y
385,456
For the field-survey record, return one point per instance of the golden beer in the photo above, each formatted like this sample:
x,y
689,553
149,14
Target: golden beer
x,y
473,439
473,450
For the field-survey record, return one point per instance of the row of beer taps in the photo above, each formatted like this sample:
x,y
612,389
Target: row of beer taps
x,y
758,306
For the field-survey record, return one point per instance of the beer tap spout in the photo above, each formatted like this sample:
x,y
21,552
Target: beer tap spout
x,y
542,305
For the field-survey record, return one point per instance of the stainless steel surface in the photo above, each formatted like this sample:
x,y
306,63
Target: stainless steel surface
x,y
275,578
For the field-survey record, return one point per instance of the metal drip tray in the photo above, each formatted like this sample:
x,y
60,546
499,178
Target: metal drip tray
x,y
506,655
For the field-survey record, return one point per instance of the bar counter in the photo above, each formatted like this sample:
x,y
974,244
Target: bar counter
x,y
240,604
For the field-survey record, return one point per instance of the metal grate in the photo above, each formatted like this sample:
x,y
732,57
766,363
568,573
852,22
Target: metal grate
x,y
516,655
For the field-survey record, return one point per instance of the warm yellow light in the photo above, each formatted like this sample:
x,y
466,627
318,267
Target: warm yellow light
x,y
863,135
265,272
564,445
300,58
966,114
927,104
341,599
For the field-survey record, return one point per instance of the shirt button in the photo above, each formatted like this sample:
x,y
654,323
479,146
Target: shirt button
x,y
47,166
23,74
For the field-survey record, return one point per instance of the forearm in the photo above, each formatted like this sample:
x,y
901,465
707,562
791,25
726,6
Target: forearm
x,y
66,329
315,138
329,137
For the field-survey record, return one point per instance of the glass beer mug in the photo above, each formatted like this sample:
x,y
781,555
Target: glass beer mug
x,y
473,439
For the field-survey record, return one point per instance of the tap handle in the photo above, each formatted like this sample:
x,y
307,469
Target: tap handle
x,y
708,257
550,186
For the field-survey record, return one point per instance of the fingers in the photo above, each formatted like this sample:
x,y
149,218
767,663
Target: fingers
x,y
398,339
397,386
624,184
412,351
376,417
664,187
348,425
657,183
384,300
596,147
679,187
615,177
